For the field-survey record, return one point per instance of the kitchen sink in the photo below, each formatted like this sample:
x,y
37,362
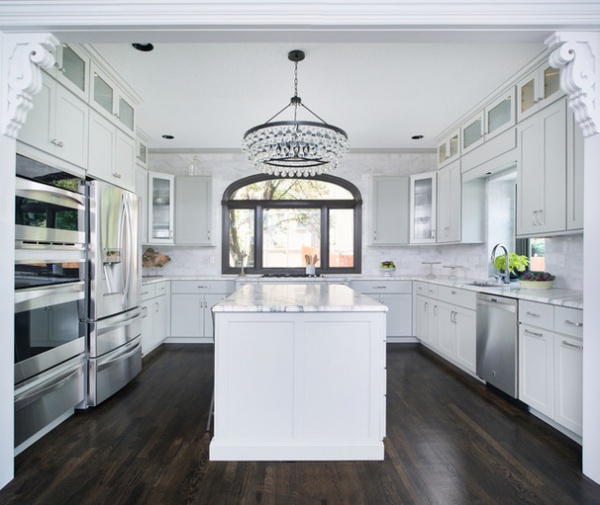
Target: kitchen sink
x,y
487,284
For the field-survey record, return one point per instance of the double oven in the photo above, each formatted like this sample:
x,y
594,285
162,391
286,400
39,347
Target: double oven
x,y
50,311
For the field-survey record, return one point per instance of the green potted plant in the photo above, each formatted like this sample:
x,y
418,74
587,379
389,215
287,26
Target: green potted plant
x,y
516,263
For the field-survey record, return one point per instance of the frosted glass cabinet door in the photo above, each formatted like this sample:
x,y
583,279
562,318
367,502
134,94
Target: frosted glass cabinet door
x,y
500,114
161,208
423,208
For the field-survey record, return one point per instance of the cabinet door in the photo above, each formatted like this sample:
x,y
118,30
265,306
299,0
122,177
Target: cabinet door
x,y
574,174
124,169
71,128
193,211
147,325
568,381
449,149
210,300
37,129
434,324
446,329
472,133
389,211
399,316
422,318
160,208
141,190
500,114
160,328
423,201
466,338
536,369
449,204
101,148
187,315
71,70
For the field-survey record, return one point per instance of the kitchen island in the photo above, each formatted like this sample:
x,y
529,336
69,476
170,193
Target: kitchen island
x,y
299,374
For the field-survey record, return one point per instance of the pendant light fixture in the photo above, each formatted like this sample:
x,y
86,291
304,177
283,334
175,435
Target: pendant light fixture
x,y
295,148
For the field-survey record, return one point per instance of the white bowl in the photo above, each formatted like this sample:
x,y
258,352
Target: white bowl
x,y
535,284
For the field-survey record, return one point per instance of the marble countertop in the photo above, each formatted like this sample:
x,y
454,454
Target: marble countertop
x,y
297,297
554,296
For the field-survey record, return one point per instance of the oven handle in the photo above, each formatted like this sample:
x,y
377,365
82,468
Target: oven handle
x,y
33,190
28,299
40,386
110,360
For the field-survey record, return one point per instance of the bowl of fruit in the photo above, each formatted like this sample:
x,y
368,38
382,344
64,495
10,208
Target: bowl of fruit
x,y
387,268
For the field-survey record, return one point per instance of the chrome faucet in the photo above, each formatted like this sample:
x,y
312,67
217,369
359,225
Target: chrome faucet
x,y
506,275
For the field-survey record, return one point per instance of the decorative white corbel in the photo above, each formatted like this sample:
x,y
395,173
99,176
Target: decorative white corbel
x,y
27,55
574,54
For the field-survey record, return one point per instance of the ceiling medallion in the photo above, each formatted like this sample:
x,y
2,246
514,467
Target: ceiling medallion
x,y
295,148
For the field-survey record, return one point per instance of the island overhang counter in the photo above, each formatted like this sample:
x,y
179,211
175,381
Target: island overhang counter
x,y
299,374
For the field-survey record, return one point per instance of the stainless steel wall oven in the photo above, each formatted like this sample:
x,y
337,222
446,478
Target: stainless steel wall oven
x,y
50,296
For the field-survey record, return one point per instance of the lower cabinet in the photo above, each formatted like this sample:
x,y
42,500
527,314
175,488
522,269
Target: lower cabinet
x,y
551,362
397,296
191,307
156,311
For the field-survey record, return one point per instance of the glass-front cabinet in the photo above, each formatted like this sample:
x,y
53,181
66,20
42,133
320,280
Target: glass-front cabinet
x,y
449,149
500,114
161,208
72,70
423,198
537,90
110,101
472,132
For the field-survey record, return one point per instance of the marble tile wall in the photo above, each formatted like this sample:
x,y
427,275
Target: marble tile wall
x,y
564,255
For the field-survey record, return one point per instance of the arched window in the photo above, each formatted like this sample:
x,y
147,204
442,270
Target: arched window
x,y
277,225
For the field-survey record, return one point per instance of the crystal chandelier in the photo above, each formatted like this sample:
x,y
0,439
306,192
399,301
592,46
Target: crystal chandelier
x,y
295,148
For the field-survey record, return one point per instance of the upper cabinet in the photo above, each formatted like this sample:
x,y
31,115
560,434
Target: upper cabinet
x,y
161,211
472,132
423,201
500,114
449,203
110,100
57,125
193,211
72,70
537,90
449,149
389,211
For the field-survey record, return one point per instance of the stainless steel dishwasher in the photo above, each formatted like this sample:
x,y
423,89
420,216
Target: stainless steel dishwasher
x,y
497,342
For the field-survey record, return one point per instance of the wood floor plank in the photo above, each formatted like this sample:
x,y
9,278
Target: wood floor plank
x,y
450,441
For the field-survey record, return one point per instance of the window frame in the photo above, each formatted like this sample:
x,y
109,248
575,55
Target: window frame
x,y
259,205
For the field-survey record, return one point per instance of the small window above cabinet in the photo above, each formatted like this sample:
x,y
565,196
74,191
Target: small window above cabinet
x,y
109,100
472,132
72,70
537,90
500,114
449,149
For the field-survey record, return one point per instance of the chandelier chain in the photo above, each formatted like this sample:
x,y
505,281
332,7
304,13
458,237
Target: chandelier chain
x,y
295,79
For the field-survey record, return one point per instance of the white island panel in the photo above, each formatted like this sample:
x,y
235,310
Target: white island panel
x,y
299,384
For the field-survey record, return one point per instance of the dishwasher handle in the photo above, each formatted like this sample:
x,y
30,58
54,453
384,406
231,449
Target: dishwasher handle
x,y
497,302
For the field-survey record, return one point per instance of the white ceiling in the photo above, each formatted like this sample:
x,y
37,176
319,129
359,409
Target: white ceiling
x,y
381,93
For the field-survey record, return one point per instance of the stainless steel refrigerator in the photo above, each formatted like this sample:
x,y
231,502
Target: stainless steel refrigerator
x,y
114,322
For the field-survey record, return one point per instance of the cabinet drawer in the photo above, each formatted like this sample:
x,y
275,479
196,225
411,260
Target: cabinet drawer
x,y
161,288
148,291
460,297
536,314
568,321
382,286
421,288
203,286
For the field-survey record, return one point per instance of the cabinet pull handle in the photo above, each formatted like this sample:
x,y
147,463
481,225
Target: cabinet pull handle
x,y
57,143
375,235
453,292
573,346
542,219
156,306
532,314
379,287
117,175
574,323
208,235
435,310
116,114
59,68
203,287
534,333
534,219
426,307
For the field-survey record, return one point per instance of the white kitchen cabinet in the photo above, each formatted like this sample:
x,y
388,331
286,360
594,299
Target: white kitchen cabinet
x,y
550,362
192,302
155,308
422,318
193,211
423,201
397,296
141,190
161,210
389,211
499,115
111,153
542,162
471,132
449,205
536,368
575,149
111,101
58,124
537,90
449,149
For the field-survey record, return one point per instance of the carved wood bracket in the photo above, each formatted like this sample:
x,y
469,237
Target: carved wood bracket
x,y
574,53
26,57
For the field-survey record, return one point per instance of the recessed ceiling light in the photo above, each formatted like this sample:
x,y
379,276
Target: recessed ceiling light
x,y
417,137
143,47
168,137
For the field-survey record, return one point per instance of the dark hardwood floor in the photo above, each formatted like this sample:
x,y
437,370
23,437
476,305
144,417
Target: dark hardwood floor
x,y
449,440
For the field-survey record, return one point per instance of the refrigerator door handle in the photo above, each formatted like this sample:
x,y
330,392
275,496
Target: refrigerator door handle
x,y
122,355
128,238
